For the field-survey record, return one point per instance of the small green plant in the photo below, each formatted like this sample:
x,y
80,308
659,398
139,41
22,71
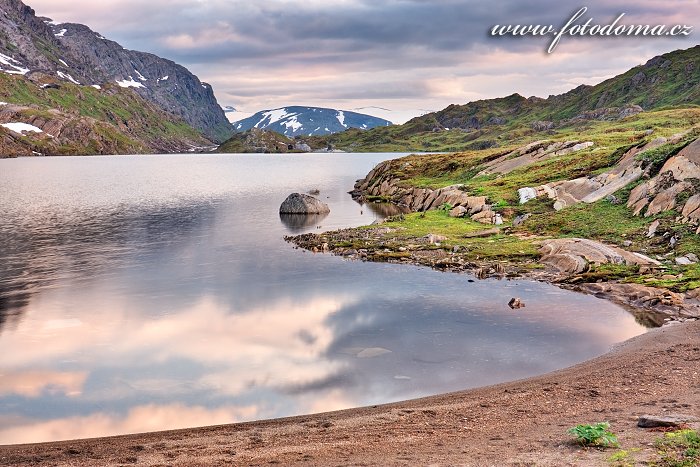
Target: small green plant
x,y
447,207
594,435
623,458
678,449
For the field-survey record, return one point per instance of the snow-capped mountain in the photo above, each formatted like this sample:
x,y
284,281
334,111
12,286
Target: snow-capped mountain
x,y
309,121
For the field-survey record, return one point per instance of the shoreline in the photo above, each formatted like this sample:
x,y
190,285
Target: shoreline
x,y
651,306
516,423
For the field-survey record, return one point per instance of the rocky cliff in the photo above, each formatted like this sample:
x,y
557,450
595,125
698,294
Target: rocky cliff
x,y
73,53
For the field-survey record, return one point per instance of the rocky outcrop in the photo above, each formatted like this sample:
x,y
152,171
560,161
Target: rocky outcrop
x,y
676,187
640,297
592,189
381,183
299,203
76,54
534,152
574,255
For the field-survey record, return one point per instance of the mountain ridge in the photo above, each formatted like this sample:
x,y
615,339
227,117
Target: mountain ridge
x,y
668,80
73,52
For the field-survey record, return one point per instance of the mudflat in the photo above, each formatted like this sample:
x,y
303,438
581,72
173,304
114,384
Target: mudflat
x,y
517,423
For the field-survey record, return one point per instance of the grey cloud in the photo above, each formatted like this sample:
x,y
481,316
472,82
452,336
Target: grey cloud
x,y
420,40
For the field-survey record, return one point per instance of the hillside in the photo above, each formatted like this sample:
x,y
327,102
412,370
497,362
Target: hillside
x,y
39,49
45,117
669,80
309,121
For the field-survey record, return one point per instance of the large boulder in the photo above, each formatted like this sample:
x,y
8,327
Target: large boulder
x,y
299,203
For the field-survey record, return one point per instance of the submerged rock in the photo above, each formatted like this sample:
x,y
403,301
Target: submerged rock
x,y
298,203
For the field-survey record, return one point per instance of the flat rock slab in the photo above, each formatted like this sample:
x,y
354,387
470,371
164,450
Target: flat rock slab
x,y
572,255
657,421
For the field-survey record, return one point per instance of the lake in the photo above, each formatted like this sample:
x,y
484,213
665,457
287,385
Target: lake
x,y
142,293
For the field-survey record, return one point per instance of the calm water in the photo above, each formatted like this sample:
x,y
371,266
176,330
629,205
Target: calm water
x,y
149,293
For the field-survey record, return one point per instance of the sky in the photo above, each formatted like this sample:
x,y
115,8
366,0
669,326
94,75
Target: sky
x,y
409,56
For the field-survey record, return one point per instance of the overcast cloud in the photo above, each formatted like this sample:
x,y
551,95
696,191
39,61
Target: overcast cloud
x,y
398,54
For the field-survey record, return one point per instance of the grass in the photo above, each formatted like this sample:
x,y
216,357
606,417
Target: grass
x,y
602,220
678,449
117,117
495,247
597,434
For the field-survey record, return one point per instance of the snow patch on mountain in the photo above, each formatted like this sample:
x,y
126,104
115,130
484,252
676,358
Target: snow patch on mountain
x,y
130,83
341,118
67,77
21,128
140,76
16,67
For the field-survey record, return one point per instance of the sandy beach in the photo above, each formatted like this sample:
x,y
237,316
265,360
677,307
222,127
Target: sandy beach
x,y
517,423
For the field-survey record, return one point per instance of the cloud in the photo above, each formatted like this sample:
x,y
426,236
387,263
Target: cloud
x,y
35,383
265,54
139,419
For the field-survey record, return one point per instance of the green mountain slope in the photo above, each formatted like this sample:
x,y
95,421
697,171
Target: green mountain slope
x,y
77,120
669,80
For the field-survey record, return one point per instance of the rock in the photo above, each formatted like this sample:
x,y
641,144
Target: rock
x,y
652,229
315,192
432,238
639,198
298,203
482,233
520,220
655,421
572,255
612,199
627,243
691,209
497,219
666,200
475,203
684,261
686,164
516,303
459,211
485,217
542,125
303,147
582,146
631,110
674,241
526,194
692,257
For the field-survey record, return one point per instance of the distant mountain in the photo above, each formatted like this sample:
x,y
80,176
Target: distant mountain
x,y
309,121
72,53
